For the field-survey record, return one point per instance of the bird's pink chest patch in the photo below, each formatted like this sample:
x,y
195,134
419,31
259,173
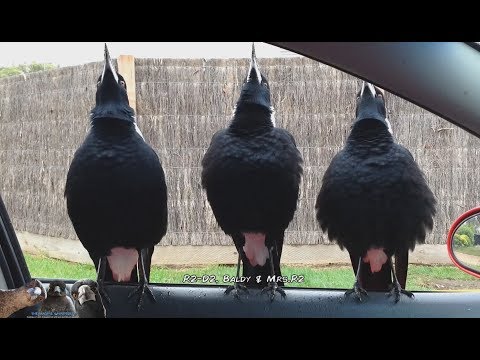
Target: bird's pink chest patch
x,y
255,249
376,257
122,261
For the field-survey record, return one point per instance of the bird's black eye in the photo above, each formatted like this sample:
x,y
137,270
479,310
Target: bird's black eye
x,y
74,295
123,83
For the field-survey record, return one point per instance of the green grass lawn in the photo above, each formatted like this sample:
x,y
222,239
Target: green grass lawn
x,y
470,250
419,277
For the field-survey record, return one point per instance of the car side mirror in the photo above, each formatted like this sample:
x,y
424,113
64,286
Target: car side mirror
x,y
464,242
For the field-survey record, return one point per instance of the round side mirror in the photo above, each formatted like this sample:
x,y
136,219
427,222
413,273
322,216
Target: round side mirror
x,y
464,242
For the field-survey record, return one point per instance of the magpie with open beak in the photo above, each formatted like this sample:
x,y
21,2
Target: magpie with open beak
x,y
116,191
375,201
251,173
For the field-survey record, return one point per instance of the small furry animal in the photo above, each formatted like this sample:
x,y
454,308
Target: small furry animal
x,y
20,298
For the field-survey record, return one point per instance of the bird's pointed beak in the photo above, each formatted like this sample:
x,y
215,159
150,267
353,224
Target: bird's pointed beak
x,y
108,67
366,86
254,71
85,293
368,108
57,290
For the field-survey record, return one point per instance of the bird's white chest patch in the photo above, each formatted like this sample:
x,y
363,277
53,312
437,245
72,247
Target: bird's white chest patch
x,y
255,249
122,261
376,257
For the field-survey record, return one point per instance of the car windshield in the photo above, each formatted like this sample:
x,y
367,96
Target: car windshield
x,y
181,101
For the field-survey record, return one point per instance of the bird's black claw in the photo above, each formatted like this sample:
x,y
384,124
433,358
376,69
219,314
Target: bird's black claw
x,y
397,291
273,288
103,292
236,290
142,289
359,293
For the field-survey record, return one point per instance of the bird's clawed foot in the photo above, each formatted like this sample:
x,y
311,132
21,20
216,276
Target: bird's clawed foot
x,y
273,287
358,292
236,288
142,289
397,290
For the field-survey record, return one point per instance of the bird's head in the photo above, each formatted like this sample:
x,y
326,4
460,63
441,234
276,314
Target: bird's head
x,y
84,291
255,90
371,105
57,288
87,299
111,97
35,291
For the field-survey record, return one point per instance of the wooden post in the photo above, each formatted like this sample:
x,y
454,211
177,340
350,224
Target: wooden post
x,y
126,67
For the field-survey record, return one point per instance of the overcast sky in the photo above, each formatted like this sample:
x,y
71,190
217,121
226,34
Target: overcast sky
x,y
75,53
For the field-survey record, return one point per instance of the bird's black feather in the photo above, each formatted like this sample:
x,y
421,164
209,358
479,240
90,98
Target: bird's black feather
x,y
374,195
251,173
116,191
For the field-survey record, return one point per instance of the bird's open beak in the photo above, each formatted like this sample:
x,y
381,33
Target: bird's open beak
x,y
366,86
108,67
254,71
374,90
85,294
